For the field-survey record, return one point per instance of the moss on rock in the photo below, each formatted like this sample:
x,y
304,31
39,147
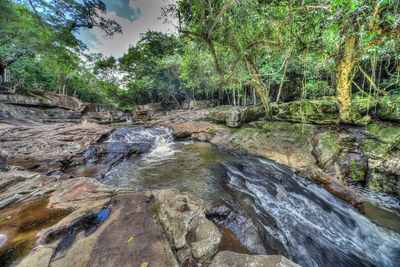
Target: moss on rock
x,y
363,105
389,110
315,111
329,144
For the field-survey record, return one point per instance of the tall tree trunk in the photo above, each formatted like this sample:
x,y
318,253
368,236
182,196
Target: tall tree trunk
x,y
344,69
245,97
278,98
234,97
260,88
254,97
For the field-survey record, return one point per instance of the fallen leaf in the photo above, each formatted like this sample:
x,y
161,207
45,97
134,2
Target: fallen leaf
x,y
145,264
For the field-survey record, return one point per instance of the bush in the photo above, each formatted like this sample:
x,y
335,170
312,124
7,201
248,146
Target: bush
x,y
317,89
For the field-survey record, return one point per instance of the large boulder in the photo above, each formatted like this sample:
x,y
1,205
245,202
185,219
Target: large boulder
x,y
232,259
284,142
41,98
183,217
339,157
29,145
363,106
233,118
382,146
309,111
389,110
103,117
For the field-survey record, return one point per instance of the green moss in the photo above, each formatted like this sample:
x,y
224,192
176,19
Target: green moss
x,y
389,109
298,131
211,131
329,145
317,111
363,105
381,139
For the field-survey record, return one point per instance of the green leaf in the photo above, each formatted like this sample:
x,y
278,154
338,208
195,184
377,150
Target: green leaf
x,y
130,239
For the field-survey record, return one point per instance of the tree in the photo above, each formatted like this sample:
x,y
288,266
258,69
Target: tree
x,y
363,26
48,26
242,35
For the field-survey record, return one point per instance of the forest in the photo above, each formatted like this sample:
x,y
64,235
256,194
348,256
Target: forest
x,y
230,52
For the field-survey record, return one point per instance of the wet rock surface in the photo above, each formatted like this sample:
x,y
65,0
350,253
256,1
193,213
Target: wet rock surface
x,y
99,226
34,106
228,259
30,145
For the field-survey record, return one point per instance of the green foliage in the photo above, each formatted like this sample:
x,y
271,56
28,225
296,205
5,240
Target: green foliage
x,y
318,89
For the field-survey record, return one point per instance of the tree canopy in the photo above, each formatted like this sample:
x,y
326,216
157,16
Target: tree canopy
x,y
228,51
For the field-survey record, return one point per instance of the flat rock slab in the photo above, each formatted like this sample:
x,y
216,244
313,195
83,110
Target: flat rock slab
x,y
233,259
104,226
30,144
129,236
133,238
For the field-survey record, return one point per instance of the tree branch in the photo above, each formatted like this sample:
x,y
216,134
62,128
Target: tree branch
x,y
220,14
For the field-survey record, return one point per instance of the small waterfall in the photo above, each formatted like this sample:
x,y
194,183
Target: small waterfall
x,y
142,138
163,149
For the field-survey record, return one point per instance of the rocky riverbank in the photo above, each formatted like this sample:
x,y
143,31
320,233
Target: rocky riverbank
x,y
69,219
330,155
54,211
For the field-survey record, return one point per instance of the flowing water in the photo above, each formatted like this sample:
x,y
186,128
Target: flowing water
x,y
271,210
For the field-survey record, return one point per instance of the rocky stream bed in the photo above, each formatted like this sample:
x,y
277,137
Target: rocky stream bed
x,y
184,189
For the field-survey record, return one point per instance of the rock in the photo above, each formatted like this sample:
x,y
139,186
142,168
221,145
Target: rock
x,y
233,118
309,111
29,145
384,174
41,98
363,105
286,143
111,227
232,259
3,162
219,211
102,117
93,107
207,240
249,114
381,139
238,230
353,167
363,120
195,104
328,145
183,217
219,115
389,110
27,115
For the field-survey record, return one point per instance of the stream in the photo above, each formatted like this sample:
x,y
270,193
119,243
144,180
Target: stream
x,y
267,207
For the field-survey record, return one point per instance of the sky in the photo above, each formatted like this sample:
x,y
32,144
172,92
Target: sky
x,y
135,17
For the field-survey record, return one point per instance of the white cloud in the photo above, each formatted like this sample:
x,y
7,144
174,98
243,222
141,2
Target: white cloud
x,y
119,44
